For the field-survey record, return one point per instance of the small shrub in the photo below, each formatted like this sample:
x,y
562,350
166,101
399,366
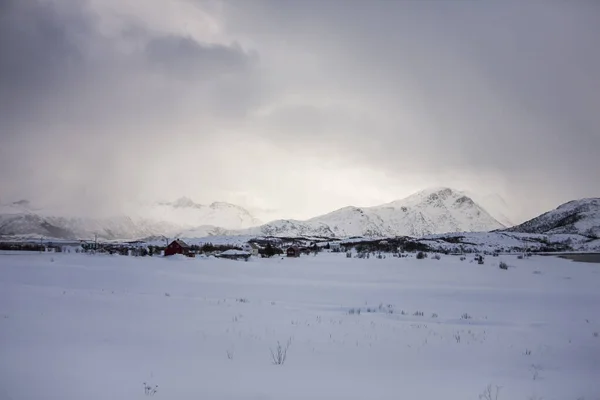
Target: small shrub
x,y
527,352
434,315
595,334
490,393
230,354
520,256
437,257
242,300
348,254
465,316
418,313
420,255
503,265
279,355
463,258
167,295
535,371
150,390
457,337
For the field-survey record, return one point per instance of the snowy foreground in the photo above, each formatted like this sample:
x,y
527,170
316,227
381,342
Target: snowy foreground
x,y
75,326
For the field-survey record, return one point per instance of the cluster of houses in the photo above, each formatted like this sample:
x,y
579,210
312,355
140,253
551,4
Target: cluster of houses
x,y
259,247
248,250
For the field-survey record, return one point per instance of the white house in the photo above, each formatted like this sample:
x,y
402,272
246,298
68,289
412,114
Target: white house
x,y
251,248
335,246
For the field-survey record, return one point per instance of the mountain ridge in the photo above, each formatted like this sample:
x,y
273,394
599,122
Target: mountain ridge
x,y
430,211
573,217
20,218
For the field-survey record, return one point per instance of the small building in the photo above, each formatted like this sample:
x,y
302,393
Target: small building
x,y
335,246
233,254
293,251
251,248
177,246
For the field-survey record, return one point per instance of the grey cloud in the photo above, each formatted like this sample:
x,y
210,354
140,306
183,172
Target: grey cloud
x,y
37,51
185,57
78,105
491,96
503,89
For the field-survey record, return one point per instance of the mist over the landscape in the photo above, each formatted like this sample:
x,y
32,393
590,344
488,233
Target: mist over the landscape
x,y
296,108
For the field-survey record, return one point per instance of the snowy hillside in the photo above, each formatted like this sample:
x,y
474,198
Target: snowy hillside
x,y
202,231
289,227
436,211
430,211
511,242
580,217
22,219
187,213
33,224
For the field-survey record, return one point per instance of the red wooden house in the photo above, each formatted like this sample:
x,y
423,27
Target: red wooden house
x,y
293,251
177,246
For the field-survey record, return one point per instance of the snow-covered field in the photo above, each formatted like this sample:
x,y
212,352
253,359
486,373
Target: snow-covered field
x,y
76,326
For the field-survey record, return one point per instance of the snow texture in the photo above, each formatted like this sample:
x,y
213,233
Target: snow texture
x,y
76,326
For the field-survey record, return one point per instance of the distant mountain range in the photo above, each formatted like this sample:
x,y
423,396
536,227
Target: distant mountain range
x,y
428,212
165,218
185,212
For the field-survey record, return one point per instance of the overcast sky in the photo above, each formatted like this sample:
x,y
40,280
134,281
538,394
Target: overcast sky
x,y
298,107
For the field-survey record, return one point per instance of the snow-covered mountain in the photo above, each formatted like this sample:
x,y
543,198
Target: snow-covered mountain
x,y
580,217
188,214
431,211
437,210
22,219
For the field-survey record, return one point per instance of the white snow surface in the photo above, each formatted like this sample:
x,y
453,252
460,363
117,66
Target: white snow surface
x,y
435,210
233,252
77,326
